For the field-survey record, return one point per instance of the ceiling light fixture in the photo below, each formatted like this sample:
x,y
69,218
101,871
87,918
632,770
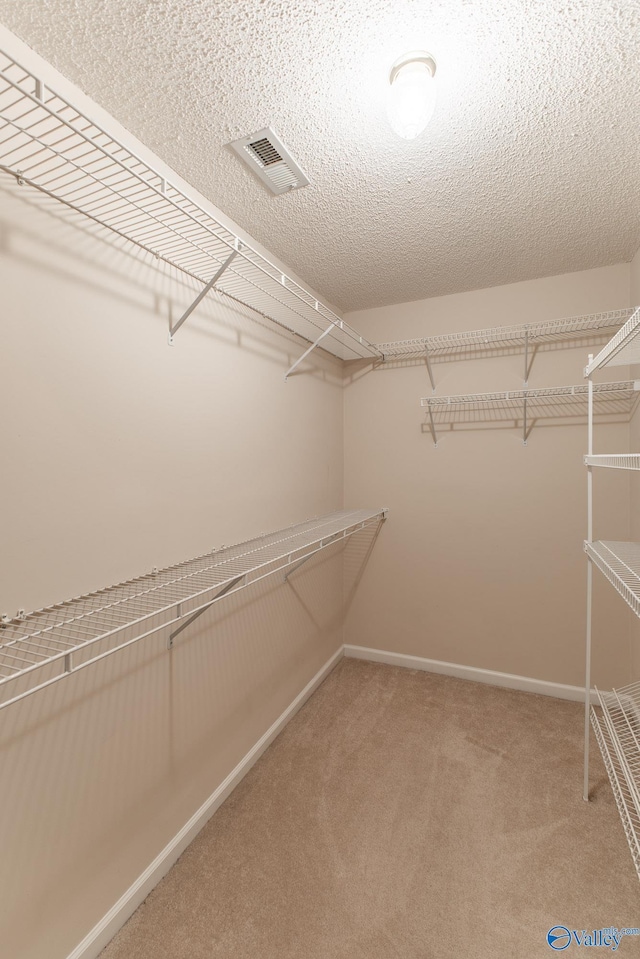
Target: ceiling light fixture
x,y
412,93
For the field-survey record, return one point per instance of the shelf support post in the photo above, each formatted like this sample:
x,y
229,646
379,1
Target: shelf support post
x,y
429,370
306,352
587,670
524,422
526,356
201,295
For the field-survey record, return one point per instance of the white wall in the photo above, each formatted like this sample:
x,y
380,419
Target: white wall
x,y
482,561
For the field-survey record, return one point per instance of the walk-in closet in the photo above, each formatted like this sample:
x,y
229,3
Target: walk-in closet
x,y
320,440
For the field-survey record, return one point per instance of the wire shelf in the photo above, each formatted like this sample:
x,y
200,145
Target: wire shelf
x,y
622,350
528,406
48,144
623,794
624,394
568,328
620,563
47,645
618,461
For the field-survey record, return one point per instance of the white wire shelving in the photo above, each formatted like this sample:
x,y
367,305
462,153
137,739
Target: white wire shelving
x,y
617,728
618,772
620,564
49,145
528,337
43,647
622,350
525,407
616,461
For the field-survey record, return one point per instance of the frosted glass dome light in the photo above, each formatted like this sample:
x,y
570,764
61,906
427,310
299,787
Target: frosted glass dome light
x,y
412,94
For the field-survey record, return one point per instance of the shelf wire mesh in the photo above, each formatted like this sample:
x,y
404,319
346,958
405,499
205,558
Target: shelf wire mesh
x,y
609,398
51,643
618,777
550,331
621,461
622,350
620,564
47,143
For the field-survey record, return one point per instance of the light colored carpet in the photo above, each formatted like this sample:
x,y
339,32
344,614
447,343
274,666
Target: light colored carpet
x,y
401,814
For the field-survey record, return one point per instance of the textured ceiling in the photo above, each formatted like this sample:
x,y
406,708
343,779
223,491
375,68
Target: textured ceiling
x,y
530,166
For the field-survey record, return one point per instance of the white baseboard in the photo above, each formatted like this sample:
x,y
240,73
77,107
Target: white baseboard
x,y
102,933
489,676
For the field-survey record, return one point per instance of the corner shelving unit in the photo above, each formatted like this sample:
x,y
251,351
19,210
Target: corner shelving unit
x,y
528,337
49,145
617,724
525,407
41,648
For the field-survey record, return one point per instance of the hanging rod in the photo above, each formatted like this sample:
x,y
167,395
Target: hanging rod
x,y
41,648
557,401
48,144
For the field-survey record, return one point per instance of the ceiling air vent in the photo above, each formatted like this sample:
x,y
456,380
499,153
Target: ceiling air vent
x,y
267,156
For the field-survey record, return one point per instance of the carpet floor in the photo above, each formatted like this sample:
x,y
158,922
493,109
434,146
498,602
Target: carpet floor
x,y
402,814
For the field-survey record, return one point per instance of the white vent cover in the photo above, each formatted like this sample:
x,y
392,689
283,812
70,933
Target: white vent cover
x,y
266,155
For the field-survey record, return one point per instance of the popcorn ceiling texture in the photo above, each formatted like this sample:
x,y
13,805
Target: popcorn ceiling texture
x,y
529,167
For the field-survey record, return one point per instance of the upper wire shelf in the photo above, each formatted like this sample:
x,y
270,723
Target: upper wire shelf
x,y
41,648
48,144
622,350
548,331
529,337
528,406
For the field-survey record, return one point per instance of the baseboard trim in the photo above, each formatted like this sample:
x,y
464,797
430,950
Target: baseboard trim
x,y
102,933
473,673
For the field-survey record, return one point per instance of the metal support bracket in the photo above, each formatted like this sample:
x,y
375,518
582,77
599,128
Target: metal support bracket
x,y
201,295
524,422
306,352
305,559
432,426
429,370
529,357
225,589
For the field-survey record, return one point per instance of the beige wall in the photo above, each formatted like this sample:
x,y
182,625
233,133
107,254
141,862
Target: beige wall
x,y
635,279
119,454
482,561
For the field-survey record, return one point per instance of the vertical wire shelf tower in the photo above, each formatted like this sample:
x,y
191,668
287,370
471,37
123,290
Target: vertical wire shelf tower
x,y
616,716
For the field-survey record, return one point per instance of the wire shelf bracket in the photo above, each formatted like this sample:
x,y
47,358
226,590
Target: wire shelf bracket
x,y
207,289
41,648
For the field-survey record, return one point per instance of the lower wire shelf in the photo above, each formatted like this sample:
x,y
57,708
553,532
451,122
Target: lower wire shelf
x,y
623,783
50,644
